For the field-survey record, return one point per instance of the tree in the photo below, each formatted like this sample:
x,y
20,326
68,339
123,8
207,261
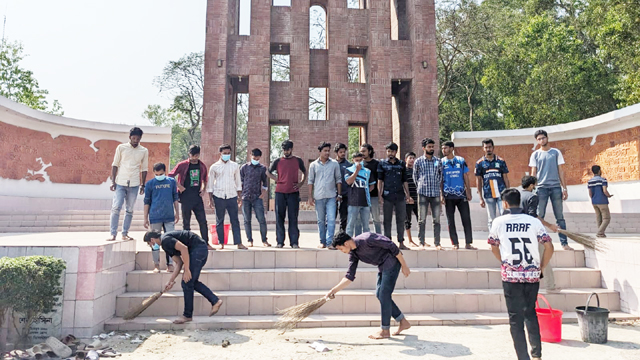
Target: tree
x,y
184,81
242,119
19,84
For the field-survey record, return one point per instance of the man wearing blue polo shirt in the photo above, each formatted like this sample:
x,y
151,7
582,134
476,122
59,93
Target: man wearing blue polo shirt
x,y
491,174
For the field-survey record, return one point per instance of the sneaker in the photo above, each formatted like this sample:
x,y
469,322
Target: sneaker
x,y
279,246
295,247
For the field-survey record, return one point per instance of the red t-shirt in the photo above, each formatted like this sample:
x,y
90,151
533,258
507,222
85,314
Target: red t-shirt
x,y
287,169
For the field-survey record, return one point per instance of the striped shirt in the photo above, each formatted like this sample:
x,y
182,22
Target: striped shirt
x,y
224,180
427,173
413,190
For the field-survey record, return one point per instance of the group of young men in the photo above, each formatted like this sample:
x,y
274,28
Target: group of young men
x,y
355,192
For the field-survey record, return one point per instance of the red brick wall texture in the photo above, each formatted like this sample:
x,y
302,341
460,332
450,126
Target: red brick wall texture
x,y
72,159
618,154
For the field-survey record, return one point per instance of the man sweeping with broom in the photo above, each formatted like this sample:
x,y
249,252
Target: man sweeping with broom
x,y
375,249
190,250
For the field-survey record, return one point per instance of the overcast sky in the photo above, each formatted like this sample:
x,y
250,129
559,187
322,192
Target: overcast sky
x,y
99,58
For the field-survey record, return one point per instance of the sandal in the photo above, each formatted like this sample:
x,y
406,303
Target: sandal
x,y
127,238
60,349
70,339
95,345
110,353
20,354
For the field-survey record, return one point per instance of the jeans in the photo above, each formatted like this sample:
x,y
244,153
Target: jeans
x,y
291,202
603,217
357,224
343,211
494,209
555,193
194,203
465,214
256,205
400,207
197,259
375,214
326,213
157,227
411,208
521,305
434,203
123,194
384,288
231,206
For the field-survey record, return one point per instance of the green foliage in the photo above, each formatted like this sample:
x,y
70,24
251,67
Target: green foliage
x,y
526,63
354,142
242,121
19,85
184,81
30,286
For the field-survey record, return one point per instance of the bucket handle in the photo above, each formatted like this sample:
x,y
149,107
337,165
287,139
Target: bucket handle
x,y
546,302
586,308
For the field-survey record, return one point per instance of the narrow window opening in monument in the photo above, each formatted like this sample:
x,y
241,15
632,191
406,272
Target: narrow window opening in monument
x,y
356,4
355,69
357,137
280,62
279,133
244,17
318,103
399,20
401,111
281,3
317,27
242,122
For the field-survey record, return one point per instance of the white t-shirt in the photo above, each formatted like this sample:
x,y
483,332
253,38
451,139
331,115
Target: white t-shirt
x,y
518,236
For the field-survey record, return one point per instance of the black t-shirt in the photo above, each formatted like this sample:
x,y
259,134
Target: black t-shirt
x,y
192,181
357,192
373,166
189,239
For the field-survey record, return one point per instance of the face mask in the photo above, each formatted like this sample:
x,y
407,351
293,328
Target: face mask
x,y
160,177
226,157
255,162
356,163
155,247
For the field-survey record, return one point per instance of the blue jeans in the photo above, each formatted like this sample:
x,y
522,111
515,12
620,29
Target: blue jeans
x,y
374,210
384,289
197,259
555,193
123,194
157,227
256,205
326,213
494,209
231,206
358,220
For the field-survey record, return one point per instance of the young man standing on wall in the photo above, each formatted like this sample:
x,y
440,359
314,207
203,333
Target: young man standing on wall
x,y
287,192
427,173
410,159
372,164
599,195
491,177
254,187
546,164
392,183
191,177
325,186
343,204
128,176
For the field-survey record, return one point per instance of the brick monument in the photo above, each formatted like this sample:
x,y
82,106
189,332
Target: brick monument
x,y
395,97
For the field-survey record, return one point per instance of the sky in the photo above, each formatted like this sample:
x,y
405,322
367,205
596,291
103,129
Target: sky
x,y
99,58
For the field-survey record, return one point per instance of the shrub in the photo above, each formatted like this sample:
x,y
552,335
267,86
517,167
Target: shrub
x,y
29,285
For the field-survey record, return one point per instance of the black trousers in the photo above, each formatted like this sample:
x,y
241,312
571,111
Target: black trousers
x,y
342,212
411,208
465,214
287,203
194,203
400,207
521,305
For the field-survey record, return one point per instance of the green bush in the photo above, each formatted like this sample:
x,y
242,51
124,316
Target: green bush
x,y
29,285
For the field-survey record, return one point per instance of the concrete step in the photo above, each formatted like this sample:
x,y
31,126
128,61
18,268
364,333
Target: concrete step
x,y
270,258
410,301
316,321
323,279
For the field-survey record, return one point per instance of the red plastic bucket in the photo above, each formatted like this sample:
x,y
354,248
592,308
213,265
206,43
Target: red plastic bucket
x,y
214,234
550,321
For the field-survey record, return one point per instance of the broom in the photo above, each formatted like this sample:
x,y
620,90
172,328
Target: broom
x,y
589,242
133,312
291,316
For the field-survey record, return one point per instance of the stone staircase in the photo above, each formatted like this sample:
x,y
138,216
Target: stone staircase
x,y
98,220
445,287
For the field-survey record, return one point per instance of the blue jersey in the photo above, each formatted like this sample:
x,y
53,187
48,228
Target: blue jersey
x,y
453,171
597,191
491,172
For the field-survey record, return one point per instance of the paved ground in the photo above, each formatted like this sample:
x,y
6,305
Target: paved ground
x,y
468,342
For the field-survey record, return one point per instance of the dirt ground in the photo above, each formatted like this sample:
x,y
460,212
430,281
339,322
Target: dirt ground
x,y
428,342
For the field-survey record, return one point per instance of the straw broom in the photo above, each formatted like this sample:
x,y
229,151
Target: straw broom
x,y
133,312
589,242
291,316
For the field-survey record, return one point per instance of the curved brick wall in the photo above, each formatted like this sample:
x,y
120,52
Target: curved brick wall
x,y
58,152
